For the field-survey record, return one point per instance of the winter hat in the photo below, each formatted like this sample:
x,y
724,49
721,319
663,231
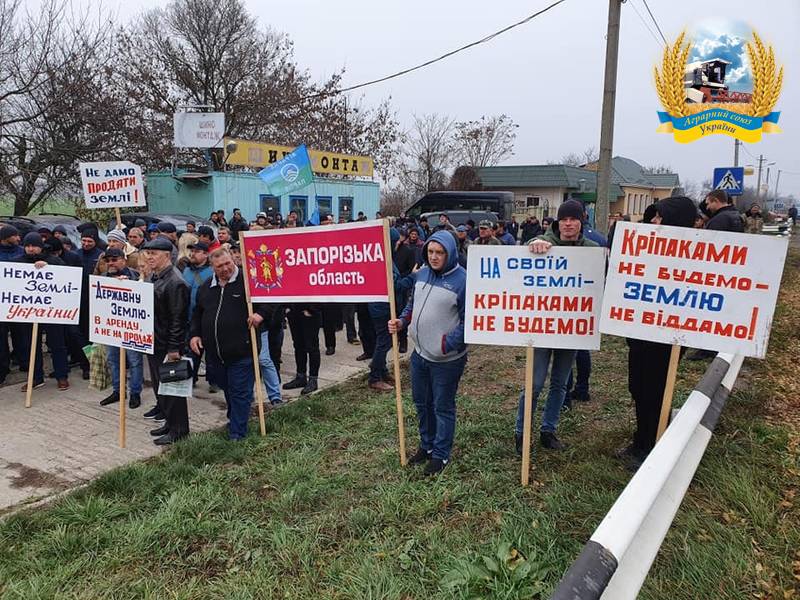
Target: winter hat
x,y
678,211
571,208
7,231
33,239
117,234
60,229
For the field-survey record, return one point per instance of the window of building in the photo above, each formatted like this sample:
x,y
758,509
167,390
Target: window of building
x,y
325,205
346,207
270,205
299,204
533,201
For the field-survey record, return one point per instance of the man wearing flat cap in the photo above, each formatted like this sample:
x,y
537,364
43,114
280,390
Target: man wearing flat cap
x,y
170,319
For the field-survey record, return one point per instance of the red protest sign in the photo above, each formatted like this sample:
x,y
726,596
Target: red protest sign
x,y
330,263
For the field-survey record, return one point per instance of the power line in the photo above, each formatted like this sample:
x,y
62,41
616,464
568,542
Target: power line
x,y
442,57
641,18
656,22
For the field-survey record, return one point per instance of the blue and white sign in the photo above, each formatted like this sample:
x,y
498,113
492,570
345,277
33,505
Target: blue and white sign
x,y
729,179
290,173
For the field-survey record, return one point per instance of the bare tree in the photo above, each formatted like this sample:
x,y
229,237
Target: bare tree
x,y
657,169
575,159
465,178
212,52
428,154
484,142
56,100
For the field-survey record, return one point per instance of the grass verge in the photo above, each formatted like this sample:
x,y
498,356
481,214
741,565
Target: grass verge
x,y
320,508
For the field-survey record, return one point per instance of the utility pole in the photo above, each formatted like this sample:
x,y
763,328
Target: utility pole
x,y
777,181
607,123
736,152
758,185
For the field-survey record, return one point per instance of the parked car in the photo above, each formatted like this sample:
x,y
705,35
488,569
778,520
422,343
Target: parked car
x,y
129,219
499,203
460,217
34,222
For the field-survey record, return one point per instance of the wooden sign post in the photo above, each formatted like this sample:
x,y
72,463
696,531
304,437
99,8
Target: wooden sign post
x,y
398,396
123,386
256,365
669,390
31,363
527,417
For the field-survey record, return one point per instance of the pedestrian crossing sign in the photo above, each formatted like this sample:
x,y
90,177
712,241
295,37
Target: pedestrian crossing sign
x,y
729,179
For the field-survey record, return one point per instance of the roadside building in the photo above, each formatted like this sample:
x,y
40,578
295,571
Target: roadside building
x,y
540,189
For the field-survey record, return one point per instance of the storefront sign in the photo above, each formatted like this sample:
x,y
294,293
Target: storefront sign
x,y
332,263
121,313
713,290
198,130
257,154
516,298
112,184
51,294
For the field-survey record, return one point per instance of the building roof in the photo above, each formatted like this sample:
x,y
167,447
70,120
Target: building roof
x,y
533,176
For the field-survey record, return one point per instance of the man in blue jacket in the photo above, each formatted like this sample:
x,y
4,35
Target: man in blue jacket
x,y
435,319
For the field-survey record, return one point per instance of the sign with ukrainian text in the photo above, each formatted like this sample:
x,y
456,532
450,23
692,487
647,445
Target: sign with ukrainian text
x,y
331,263
258,155
516,298
198,129
719,82
713,290
49,295
112,184
121,313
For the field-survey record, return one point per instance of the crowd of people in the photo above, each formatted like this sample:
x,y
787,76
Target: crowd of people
x,y
201,312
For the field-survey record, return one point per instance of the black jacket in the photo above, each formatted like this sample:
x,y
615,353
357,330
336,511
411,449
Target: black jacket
x,y
726,218
220,319
34,258
171,304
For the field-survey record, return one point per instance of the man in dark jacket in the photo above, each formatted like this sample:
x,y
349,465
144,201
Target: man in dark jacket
x,y
89,254
171,305
725,216
531,228
648,362
220,327
565,231
238,224
117,267
10,251
56,333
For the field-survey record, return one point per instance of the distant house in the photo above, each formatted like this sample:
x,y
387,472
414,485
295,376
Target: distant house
x,y
540,189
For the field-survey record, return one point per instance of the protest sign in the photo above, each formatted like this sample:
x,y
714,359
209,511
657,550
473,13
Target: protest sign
x,y
333,263
112,184
198,129
516,298
51,294
121,313
713,290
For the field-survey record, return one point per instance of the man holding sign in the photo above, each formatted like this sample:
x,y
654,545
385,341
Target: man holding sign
x,y
565,231
435,318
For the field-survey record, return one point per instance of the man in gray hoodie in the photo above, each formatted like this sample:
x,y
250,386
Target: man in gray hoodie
x,y
435,319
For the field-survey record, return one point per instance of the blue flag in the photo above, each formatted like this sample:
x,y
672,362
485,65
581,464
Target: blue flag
x,y
290,173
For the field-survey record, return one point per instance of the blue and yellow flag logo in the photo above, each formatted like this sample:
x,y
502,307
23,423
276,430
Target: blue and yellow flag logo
x,y
698,102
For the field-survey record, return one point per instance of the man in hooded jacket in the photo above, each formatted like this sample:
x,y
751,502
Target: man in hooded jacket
x,y
434,317
648,361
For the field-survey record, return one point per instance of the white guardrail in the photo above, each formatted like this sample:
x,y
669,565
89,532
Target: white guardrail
x,y
616,560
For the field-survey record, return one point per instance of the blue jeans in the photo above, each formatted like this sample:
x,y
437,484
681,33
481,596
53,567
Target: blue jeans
x,y
583,362
434,386
237,380
562,365
134,364
269,374
383,342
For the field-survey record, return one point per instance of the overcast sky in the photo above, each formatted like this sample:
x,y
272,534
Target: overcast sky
x,y
547,75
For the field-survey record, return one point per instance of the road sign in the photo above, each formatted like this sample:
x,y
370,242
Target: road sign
x,y
729,179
